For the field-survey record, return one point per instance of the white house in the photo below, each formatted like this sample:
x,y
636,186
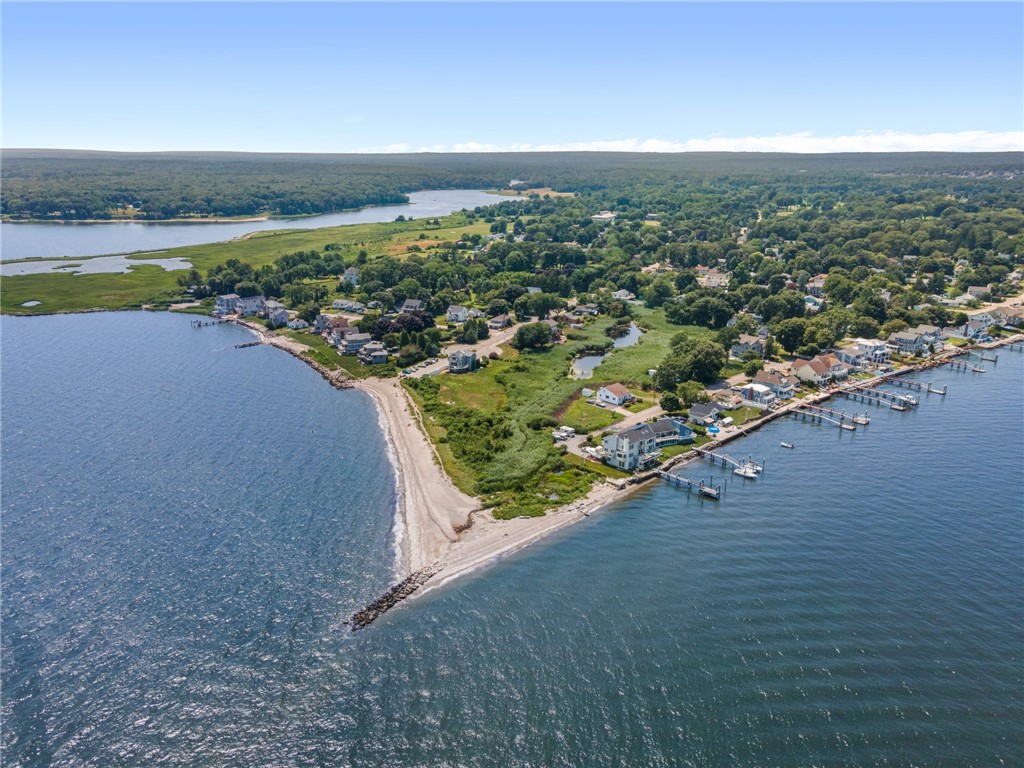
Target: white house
x,y
297,324
615,394
353,342
250,305
275,312
782,385
351,276
623,295
632,448
461,362
907,342
604,217
704,413
226,303
457,314
745,343
758,395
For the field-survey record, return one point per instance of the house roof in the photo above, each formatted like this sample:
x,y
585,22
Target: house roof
x,y
410,304
616,389
457,308
746,338
704,409
774,377
638,432
229,296
816,365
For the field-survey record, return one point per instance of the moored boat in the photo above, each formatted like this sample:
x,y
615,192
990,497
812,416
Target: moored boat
x,y
788,445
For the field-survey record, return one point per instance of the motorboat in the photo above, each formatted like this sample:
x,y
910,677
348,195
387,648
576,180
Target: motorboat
x,y
788,445
747,471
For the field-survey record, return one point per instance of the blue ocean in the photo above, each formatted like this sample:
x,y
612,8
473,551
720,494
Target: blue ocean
x,y
186,525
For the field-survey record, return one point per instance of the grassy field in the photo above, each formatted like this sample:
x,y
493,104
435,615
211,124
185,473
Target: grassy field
x,y
150,284
583,417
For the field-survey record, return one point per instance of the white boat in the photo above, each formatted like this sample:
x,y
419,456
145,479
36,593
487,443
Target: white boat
x,y
745,470
788,445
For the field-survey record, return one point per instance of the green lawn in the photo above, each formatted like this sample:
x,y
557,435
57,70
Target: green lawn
x,y
595,466
583,417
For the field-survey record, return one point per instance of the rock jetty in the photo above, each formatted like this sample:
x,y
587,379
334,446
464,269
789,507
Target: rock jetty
x,y
393,597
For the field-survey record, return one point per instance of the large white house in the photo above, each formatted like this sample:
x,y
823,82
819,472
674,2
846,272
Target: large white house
x,y
632,448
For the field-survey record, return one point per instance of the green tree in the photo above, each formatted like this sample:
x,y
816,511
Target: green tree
x,y
670,403
790,333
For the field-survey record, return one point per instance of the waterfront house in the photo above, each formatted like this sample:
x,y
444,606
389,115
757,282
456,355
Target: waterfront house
x,y
249,305
351,276
461,362
322,323
353,342
338,335
782,385
814,371
614,394
457,314
633,448
297,324
930,334
758,395
225,304
975,330
275,312
373,353
668,431
411,305
705,413
745,343
499,322
907,342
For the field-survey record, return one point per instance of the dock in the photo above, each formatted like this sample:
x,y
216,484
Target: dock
x,y
698,486
205,322
726,460
822,414
866,394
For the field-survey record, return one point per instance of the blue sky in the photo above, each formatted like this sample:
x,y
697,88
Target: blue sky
x,y
341,77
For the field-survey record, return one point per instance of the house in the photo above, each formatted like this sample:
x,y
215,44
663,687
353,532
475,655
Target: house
x,y
929,333
353,342
351,276
704,413
631,448
852,355
977,291
974,330
225,304
373,354
275,312
411,305
623,295
323,322
461,362
338,335
587,309
668,431
499,322
297,324
745,343
782,385
712,277
249,305
457,314
532,289
874,350
1012,318
614,394
758,395
475,314
604,217
815,371
816,286
907,342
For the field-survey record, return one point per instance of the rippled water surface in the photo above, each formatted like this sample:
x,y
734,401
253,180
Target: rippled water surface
x,y
185,524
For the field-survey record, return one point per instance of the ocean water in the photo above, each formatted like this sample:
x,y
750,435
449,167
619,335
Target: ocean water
x,y
185,524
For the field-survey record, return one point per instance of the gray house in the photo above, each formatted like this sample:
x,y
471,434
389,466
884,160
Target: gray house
x,y
461,362
632,448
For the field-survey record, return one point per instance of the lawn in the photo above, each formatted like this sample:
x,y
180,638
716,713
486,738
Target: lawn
x,y
583,417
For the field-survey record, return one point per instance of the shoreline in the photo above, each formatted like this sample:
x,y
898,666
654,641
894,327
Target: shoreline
x,y
445,530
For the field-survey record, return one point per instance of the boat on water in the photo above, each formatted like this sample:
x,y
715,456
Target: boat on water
x,y
747,471
788,445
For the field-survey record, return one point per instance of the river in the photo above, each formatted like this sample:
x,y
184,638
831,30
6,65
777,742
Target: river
x,y
52,240
187,524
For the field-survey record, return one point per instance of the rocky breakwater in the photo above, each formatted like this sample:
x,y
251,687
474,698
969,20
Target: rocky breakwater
x,y
393,597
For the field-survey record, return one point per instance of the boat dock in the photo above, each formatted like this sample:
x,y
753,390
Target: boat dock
x,y
726,460
821,414
205,322
698,486
868,394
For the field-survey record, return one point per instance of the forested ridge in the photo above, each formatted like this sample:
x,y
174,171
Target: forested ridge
x,y
78,185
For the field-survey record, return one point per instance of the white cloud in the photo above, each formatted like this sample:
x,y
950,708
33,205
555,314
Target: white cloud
x,y
883,141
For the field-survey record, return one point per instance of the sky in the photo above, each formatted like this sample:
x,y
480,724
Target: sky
x,y
483,76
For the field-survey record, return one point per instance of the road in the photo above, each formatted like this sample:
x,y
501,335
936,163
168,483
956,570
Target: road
x,y
482,349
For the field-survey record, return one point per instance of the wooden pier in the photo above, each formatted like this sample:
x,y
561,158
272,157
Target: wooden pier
x,y
990,358
205,322
879,396
821,414
726,460
698,486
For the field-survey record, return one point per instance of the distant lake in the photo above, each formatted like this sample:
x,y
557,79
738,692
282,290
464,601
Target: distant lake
x,y
53,240
583,367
